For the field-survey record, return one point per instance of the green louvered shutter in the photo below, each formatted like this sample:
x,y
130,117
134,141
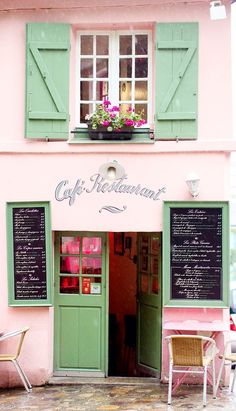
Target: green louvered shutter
x,y
176,81
47,80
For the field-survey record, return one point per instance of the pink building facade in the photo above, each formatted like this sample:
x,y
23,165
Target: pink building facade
x,y
76,301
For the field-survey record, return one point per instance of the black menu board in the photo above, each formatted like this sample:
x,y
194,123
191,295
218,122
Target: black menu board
x,y
197,253
30,248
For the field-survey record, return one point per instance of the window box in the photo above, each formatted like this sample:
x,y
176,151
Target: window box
x,y
101,133
137,135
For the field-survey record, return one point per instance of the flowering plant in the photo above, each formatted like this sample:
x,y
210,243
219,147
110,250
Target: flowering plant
x,y
111,118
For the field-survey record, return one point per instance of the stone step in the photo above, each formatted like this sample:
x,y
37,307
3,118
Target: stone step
x,y
103,381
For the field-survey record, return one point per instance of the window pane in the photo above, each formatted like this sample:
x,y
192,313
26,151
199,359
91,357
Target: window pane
x,y
69,245
101,90
141,108
154,264
125,90
85,109
86,45
124,107
69,285
155,286
92,245
141,67
141,90
125,67
102,67
86,69
155,245
144,283
102,45
86,90
125,45
141,44
91,265
69,265
91,285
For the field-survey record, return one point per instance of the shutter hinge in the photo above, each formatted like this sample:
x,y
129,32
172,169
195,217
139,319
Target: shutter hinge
x,y
156,46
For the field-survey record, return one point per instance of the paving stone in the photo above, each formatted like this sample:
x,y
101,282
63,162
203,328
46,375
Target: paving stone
x,y
105,397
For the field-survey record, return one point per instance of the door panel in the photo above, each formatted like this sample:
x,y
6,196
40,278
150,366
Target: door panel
x,y
149,302
80,304
149,336
80,350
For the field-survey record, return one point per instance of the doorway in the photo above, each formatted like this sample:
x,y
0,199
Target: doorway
x,y
134,304
107,300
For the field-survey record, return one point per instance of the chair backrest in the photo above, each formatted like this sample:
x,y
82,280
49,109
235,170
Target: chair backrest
x,y
11,334
187,350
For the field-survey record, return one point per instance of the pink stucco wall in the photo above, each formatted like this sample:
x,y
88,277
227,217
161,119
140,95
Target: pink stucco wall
x,y
214,54
31,171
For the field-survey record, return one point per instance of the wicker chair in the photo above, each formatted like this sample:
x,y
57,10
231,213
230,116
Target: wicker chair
x,y
13,357
227,359
187,354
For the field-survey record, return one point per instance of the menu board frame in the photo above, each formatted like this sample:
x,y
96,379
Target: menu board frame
x,y
12,298
223,300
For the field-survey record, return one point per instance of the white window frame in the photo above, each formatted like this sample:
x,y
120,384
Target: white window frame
x,y
113,68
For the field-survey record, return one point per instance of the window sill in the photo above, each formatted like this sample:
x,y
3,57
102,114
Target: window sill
x,y
81,136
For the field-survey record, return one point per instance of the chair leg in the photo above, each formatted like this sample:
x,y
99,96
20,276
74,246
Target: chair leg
x,y
214,378
22,375
170,384
204,385
219,375
234,378
25,376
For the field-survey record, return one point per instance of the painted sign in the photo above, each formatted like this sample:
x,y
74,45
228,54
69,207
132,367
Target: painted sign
x,y
29,253
196,254
97,183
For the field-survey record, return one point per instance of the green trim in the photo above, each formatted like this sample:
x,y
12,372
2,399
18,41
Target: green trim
x,y
148,300
81,137
176,81
47,81
83,302
167,301
10,254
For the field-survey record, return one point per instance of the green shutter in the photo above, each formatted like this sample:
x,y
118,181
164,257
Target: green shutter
x,y
47,80
176,81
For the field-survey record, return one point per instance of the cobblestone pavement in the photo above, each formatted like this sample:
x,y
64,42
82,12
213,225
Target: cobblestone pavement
x,y
112,397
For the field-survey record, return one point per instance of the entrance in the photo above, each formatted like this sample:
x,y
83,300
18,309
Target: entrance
x,y
134,304
107,305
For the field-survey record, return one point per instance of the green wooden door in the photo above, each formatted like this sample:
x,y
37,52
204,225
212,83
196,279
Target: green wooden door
x,y
149,303
80,304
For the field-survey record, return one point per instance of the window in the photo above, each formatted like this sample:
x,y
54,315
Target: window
x,y
80,265
117,66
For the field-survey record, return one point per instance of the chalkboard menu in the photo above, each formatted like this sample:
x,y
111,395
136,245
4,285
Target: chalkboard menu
x,y
197,252
29,248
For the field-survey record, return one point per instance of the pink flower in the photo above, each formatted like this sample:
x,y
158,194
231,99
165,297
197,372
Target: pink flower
x,y
129,123
113,115
105,123
106,103
141,122
115,108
